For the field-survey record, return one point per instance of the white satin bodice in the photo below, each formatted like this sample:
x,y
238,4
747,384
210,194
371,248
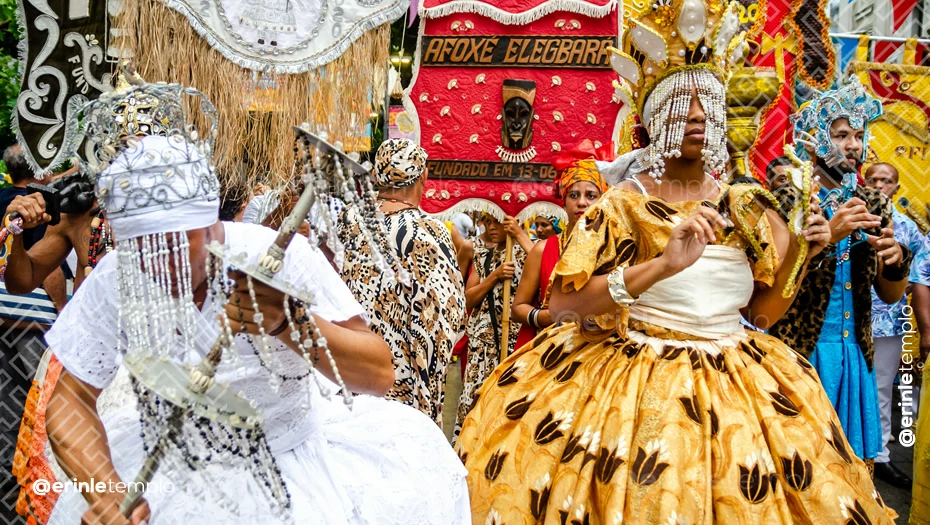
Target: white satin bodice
x,y
704,299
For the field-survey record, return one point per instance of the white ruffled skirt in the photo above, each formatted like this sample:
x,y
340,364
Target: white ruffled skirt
x,y
381,463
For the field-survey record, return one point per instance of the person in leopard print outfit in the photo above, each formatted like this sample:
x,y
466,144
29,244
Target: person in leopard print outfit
x,y
422,321
830,320
485,300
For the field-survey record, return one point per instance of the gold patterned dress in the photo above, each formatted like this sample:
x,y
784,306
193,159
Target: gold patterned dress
x,y
667,412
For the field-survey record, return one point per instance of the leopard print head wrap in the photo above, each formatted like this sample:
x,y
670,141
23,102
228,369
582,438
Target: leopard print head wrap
x,y
399,163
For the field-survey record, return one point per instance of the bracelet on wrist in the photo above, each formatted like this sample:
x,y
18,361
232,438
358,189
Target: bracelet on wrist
x,y
533,318
617,287
277,331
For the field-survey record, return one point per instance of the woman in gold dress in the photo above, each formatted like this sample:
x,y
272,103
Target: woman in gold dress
x,y
655,405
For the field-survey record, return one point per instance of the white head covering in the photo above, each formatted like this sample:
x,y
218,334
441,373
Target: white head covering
x,y
261,206
621,168
158,185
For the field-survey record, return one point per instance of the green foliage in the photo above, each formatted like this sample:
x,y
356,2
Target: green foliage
x,y
9,69
9,89
5,181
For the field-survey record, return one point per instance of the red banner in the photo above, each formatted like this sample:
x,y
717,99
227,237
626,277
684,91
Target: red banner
x,y
518,11
796,44
778,50
457,101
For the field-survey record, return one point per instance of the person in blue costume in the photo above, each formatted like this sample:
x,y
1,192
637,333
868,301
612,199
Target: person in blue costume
x,y
830,320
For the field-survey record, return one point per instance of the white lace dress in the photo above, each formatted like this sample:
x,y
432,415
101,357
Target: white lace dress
x,y
380,463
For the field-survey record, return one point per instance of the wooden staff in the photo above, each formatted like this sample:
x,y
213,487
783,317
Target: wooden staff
x,y
505,320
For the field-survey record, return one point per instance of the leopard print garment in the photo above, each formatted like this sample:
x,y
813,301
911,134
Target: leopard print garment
x,y
801,325
420,322
484,342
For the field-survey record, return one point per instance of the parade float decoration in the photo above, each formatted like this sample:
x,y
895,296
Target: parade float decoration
x,y
266,64
500,89
901,136
793,46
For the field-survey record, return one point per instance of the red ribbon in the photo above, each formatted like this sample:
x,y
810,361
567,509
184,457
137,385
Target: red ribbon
x,y
584,151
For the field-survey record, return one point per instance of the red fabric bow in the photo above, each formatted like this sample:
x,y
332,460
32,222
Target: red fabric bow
x,y
584,151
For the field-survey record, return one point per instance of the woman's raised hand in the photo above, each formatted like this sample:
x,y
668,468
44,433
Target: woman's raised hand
x,y
687,241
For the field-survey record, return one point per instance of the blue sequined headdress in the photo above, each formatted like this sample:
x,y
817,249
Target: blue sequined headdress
x,y
812,122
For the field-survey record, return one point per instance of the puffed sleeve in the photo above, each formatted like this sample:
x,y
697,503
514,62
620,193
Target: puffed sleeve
x,y
602,241
306,267
85,337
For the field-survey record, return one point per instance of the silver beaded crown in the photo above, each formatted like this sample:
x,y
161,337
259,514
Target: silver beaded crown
x,y
131,176
142,109
155,173
812,122
154,179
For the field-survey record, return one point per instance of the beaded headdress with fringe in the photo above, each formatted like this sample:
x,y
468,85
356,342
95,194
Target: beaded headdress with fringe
x,y
154,179
116,120
673,35
667,49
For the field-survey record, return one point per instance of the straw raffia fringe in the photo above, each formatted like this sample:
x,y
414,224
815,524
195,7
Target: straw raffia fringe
x,y
580,7
337,96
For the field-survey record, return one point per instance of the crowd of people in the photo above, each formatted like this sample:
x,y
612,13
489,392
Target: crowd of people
x,y
682,349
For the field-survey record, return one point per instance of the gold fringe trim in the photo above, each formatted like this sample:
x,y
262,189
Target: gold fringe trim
x,y
856,67
255,126
916,131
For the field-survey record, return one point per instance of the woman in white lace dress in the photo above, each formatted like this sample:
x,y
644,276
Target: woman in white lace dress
x,y
379,463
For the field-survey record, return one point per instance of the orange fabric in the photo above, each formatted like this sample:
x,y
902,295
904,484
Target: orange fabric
x,y
577,165
30,462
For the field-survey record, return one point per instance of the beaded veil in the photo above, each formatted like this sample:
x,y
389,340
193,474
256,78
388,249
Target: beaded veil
x,y
155,181
342,184
668,48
